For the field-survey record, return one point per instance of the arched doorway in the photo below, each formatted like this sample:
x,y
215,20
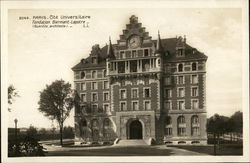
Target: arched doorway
x,y
135,130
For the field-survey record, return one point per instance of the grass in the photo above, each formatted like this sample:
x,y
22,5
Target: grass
x,y
223,149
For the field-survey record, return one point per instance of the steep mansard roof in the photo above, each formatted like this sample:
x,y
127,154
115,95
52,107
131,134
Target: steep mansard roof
x,y
169,45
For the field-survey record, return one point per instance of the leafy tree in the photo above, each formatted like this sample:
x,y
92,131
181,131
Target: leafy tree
x,y
56,102
32,131
12,93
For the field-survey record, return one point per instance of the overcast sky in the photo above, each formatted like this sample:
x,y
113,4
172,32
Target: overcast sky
x,y
37,57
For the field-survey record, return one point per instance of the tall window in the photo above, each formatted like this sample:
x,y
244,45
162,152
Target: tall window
x,y
168,93
181,126
106,123
122,54
106,108
83,97
146,92
181,92
147,105
105,96
133,53
135,105
83,86
123,94
195,104
104,73
106,85
94,85
168,127
194,66
195,127
181,105
94,97
167,81
168,105
82,75
194,79
180,79
134,93
123,106
194,91
180,67
95,108
146,52
94,74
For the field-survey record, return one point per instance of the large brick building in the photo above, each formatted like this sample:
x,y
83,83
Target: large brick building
x,y
142,88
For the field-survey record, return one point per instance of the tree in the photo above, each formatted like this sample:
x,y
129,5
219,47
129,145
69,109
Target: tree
x,y
12,93
56,102
32,131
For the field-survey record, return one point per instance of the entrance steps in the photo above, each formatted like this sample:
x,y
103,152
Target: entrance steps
x,y
132,142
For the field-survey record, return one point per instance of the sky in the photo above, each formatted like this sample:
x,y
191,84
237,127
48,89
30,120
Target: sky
x,y
39,56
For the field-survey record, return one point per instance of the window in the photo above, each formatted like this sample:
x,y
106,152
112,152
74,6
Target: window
x,y
104,73
135,105
181,92
83,123
180,67
194,79
105,96
194,91
180,79
82,75
123,106
106,123
83,97
181,119
145,52
168,105
95,108
181,131
168,120
83,86
134,93
94,96
106,85
106,108
123,83
123,94
181,126
146,92
168,93
147,105
195,129
181,105
168,131
94,85
122,54
167,81
194,66
133,53
195,104
94,74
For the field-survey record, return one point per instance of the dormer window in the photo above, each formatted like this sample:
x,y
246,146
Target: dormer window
x,y
180,67
94,60
180,52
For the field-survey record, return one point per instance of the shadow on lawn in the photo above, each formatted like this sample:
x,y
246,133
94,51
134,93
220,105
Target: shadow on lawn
x,y
223,149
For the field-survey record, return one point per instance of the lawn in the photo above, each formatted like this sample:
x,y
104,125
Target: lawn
x,y
223,149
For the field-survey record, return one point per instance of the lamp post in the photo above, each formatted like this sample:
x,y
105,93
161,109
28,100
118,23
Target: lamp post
x,y
15,120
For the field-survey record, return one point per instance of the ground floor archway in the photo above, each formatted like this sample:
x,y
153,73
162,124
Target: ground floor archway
x,y
135,130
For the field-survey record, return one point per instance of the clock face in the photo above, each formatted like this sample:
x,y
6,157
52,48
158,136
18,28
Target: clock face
x,y
134,42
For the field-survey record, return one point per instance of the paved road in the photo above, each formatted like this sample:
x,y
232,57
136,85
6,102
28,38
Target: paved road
x,y
157,150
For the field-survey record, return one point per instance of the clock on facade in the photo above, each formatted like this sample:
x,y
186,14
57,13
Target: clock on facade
x,y
134,42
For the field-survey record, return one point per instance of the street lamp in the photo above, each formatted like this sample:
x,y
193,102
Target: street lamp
x,y
15,120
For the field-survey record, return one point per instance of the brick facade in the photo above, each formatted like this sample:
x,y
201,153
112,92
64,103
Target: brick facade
x,y
140,89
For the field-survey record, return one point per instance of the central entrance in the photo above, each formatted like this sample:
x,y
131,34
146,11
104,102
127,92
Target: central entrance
x,y
135,130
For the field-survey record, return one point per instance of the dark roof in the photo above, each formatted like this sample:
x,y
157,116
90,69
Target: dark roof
x,y
169,45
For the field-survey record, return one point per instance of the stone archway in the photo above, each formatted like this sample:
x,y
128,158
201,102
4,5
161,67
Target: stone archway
x,y
135,130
